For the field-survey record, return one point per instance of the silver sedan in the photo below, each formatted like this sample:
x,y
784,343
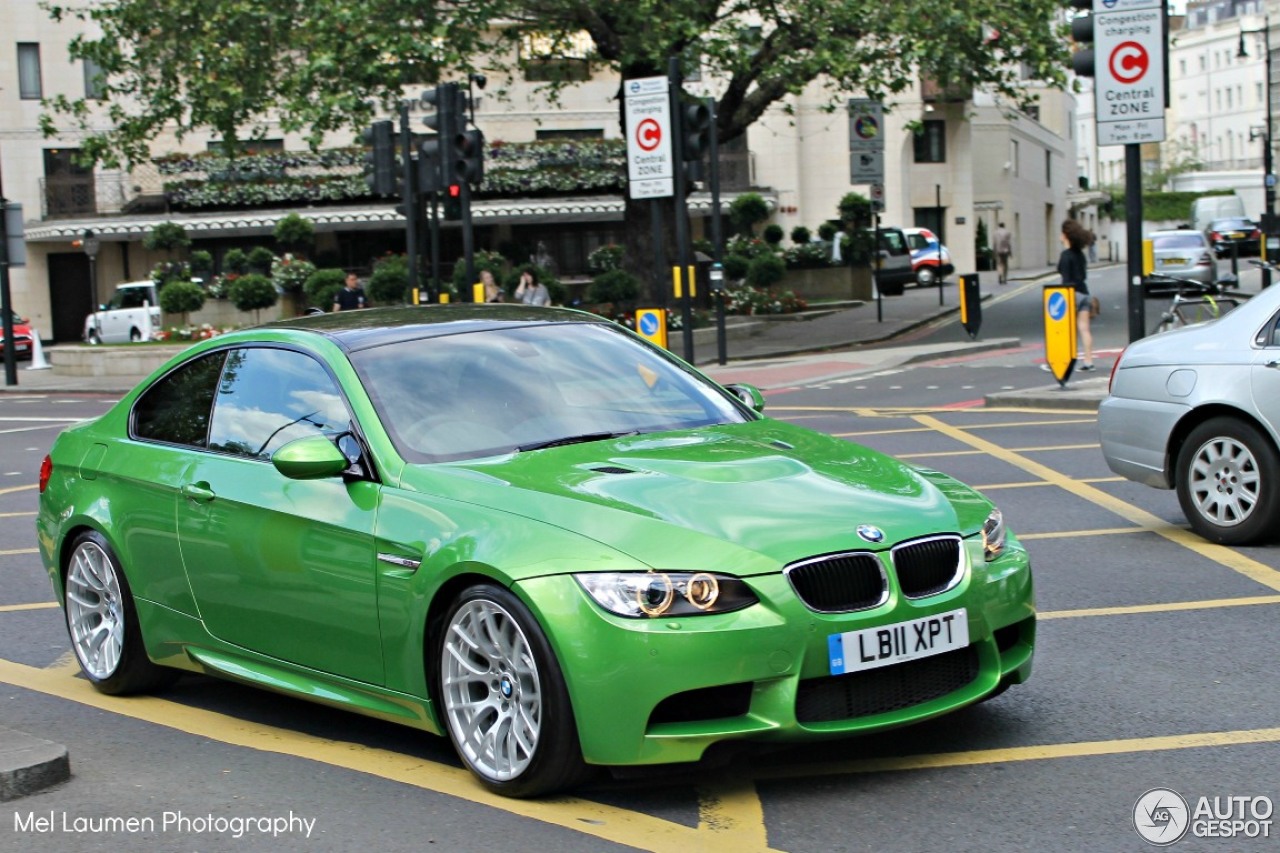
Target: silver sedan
x,y
1198,410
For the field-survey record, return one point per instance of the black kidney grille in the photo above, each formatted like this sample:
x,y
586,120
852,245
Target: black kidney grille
x,y
927,566
840,583
889,688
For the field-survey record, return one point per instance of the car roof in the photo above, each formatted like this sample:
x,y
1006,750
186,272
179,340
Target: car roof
x,y
371,327
1213,222
1176,232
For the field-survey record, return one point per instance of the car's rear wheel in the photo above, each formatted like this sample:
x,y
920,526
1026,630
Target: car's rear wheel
x,y
926,276
504,697
1227,482
103,622
135,336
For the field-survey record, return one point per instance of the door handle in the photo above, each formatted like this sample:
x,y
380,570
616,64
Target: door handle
x,y
198,492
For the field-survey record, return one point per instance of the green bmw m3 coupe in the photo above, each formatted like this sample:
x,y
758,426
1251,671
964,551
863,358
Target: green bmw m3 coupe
x,y
527,530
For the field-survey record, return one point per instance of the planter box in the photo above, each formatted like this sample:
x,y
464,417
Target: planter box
x,y
829,284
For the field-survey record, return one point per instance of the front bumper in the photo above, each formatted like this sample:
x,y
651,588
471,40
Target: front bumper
x,y
664,690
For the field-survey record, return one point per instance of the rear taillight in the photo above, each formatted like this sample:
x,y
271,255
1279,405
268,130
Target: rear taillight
x,y
1214,235
46,471
1204,261
1255,233
1111,380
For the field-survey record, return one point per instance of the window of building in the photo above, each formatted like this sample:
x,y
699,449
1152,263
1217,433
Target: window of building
x,y
551,58
1182,68
29,86
570,133
931,142
94,81
1048,168
1013,156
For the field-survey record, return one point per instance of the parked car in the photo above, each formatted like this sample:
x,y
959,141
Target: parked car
x,y
22,337
528,530
1210,207
893,270
930,260
133,314
1197,409
1182,254
1238,231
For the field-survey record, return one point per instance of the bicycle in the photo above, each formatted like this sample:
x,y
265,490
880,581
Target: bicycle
x,y
1193,302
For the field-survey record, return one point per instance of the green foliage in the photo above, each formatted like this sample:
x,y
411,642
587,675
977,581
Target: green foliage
x,y
615,286
181,297
801,235
747,210
766,271
235,261
491,261
606,258
748,247
323,286
855,211
808,256
290,273
166,237
252,292
773,234
826,231
201,264
751,300
389,281
735,267
261,259
1160,206
294,232
167,271
981,241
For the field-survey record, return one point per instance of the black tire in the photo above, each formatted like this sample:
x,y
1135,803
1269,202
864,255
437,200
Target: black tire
x,y
94,338
1228,477
103,623
485,692
926,277
135,336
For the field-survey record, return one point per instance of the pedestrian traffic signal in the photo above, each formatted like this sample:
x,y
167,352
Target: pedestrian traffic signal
x,y
380,162
468,157
1082,58
453,202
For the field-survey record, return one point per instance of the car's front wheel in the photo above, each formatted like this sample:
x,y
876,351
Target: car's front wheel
x,y
103,623
504,697
94,337
926,276
1227,482
135,336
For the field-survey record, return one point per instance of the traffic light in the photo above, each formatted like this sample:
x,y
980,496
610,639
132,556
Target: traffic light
x,y
447,121
1082,58
453,202
468,157
380,162
695,130
430,166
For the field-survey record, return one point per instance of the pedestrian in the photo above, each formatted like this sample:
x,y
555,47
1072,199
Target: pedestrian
x,y
1002,242
530,291
351,297
1093,248
1073,267
492,293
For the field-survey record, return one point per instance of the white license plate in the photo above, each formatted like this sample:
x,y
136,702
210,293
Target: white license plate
x,y
854,651
20,347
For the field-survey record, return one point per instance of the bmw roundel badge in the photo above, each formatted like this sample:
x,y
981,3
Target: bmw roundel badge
x,y
871,533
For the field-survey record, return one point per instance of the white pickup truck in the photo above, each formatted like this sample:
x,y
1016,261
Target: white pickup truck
x,y
133,314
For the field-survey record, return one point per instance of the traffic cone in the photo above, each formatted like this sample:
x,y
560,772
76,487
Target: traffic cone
x,y
38,361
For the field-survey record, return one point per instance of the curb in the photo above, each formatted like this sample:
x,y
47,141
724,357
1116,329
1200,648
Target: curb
x,y
30,764
1085,396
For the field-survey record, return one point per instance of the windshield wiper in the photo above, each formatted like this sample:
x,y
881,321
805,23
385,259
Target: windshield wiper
x,y
575,439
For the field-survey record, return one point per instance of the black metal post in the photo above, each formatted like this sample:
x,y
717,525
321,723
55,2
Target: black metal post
x,y
435,245
717,237
875,263
410,199
1133,238
1270,228
681,205
6,300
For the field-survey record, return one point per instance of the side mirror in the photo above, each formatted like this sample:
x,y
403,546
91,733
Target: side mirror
x,y
312,458
748,394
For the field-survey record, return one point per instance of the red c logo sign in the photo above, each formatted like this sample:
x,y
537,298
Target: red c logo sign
x,y
1128,62
648,134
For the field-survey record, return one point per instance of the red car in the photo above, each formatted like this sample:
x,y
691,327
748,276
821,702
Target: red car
x,y
21,336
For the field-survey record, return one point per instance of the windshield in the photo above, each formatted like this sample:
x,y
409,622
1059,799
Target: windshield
x,y
1178,241
482,393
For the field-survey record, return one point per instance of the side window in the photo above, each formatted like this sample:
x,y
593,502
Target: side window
x,y
269,397
176,409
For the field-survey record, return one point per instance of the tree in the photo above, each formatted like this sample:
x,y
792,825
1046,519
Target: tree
x,y
295,233
181,297
253,292
178,65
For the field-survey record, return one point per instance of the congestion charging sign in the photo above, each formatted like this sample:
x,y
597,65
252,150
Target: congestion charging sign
x,y
647,110
1129,83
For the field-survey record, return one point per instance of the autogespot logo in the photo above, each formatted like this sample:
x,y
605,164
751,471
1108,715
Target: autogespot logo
x,y
1161,816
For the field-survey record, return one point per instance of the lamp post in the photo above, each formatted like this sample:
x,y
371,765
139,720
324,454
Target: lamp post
x,y
90,243
1269,230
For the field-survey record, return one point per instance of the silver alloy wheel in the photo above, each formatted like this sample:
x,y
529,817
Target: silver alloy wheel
x,y
491,690
1224,481
95,610
926,276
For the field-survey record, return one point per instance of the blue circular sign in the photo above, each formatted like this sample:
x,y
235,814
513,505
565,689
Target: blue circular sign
x,y
649,324
1057,306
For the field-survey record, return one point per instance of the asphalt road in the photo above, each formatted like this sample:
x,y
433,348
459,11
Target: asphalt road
x,y
1155,668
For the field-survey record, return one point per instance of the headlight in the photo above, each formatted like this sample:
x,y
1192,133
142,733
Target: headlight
x,y
993,535
639,595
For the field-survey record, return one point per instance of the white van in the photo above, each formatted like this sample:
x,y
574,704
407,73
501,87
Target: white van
x,y
1208,208
133,314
